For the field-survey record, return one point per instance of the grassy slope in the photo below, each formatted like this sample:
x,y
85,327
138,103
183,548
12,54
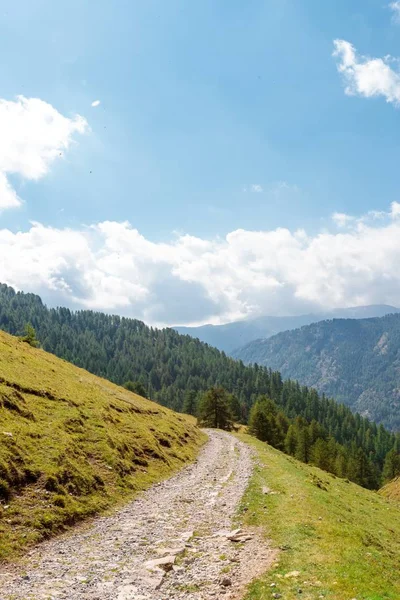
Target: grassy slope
x,y
344,540
392,490
72,444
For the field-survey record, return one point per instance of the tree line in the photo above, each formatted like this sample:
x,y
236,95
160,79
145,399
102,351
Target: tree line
x,y
176,370
307,441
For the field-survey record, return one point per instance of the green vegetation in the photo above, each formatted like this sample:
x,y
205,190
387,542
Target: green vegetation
x,y
177,370
335,540
353,361
310,442
30,336
231,336
72,444
214,409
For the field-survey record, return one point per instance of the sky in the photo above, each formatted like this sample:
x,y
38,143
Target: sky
x,y
201,162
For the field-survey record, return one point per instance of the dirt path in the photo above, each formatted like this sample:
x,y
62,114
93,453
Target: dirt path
x,y
183,522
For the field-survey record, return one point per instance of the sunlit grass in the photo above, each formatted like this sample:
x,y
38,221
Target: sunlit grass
x,y
342,539
72,444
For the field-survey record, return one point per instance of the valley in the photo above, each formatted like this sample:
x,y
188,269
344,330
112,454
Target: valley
x,y
353,361
131,500
230,337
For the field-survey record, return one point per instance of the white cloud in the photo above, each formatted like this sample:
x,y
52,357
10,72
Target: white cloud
x,y
8,196
341,219
395,210
257,188
367,77
95,103
395,6
110,266
33,134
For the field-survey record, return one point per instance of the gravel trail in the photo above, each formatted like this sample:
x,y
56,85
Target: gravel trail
x,y
174,541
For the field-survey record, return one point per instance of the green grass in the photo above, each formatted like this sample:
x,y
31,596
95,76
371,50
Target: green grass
x,y
72,444
342,539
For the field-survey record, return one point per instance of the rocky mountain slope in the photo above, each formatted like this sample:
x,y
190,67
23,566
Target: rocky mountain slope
x,y
357,362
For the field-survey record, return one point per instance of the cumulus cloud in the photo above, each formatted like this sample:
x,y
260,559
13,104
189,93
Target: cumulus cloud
x,y
8,196
110,266
95,103
341,219
364,76
257,188
395,210
33,135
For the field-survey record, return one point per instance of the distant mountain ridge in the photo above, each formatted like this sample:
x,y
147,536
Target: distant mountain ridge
x,y
357,362
231,336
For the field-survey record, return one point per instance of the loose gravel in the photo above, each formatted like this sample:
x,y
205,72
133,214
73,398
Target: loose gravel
x,y
174,541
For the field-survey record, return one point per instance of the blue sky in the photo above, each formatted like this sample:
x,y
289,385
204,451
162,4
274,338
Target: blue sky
x,y
213,117
198,101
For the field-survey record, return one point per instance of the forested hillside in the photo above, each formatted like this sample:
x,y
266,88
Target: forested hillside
x,y
231,336
176,369
354,361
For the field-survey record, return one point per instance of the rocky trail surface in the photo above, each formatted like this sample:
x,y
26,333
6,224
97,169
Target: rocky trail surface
x,y
174,541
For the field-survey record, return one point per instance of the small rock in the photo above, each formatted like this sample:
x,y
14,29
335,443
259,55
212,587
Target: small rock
x,y
233,533
166,563
186,536
276,595
170,551
226,582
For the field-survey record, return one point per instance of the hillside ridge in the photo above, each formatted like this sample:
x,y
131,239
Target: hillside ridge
x,y
72,444
232,336
354,361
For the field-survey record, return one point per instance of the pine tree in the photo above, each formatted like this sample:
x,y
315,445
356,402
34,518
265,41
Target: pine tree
x,y
137,387
303,445
214,409
266,423
291,440
235,406
320,455
190,403
391,467
30,336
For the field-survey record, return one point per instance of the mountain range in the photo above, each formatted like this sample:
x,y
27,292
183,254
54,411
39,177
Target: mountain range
x,y
231,336
353,361
357,362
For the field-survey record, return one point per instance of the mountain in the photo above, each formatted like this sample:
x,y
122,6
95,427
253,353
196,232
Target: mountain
x,y
231,336
175,370
72,444
357,362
